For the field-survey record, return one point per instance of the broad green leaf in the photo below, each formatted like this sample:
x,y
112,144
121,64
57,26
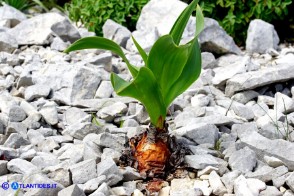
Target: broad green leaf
x,y
179,26
166,61
144,88
189,74
199,21
140,50
101,43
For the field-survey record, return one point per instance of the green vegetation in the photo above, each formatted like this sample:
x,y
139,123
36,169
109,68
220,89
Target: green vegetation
x,y
94,13
23,5
234,15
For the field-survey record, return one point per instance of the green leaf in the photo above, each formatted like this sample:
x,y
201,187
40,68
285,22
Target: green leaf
x,y
166,61
141,51
199,21
101,43
190,73
145,89
179,26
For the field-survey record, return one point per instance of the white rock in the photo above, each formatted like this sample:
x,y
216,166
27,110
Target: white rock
x,y
36,91
273,161
7,42
83,171
13,15
104,90
241,187
21,166
203,185
36,30
283,103
216,184
261,36
49,113
116,32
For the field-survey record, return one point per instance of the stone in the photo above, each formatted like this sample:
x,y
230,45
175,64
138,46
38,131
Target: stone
x,y
66,81
203,186
243,160
260,109
48,145
245,96
130,123
288,193
21,166
229,178
199,100
200,133
74,115
36,91
108,152
16,127
217,120
28,108
49,113
270,191
224,72
182,187
266,173
72,190
103,189
216,184
104,90
15,140
121,190
261,36
45,161
9,153
262,77
160,15
14,16
66,31
109,168
36,30
241,187
59,173
74,153
110,141
93,184
243,111
92,151
201,161
16,114
7,43
283,103
290,181
273,161
83,171
116,32
80,130
255,185
262,146
108,113
130,174
164,191
40,179
58,44
280,181
146,39
3,167
214,39
206,171
32,121
207,60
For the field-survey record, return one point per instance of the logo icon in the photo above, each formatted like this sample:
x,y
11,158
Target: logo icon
x,y
5,185
14,185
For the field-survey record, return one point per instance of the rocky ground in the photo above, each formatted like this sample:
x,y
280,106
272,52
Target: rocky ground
x,y
62,123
